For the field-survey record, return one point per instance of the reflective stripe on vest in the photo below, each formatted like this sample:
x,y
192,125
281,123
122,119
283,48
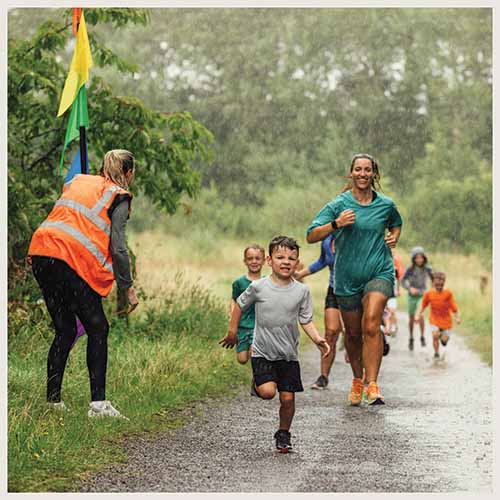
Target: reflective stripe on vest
x,y
90,214
81,238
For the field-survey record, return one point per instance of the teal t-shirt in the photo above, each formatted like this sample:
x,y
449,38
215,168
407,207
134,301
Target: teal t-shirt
x,y
247,319
361,252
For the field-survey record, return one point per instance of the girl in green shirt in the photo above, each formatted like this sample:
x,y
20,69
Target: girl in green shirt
x,y
367,225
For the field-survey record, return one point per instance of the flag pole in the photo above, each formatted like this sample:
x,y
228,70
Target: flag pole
x,y
83,134
83,150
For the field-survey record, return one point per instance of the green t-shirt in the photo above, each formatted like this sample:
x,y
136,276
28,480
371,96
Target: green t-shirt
x,y
361,253
247,319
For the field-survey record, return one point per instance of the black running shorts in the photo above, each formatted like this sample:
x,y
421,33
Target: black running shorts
x,y
286,374
331,300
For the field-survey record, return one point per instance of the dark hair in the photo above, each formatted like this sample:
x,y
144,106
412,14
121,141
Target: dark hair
x,y
376,171
414,264
438,275
254,246
283,241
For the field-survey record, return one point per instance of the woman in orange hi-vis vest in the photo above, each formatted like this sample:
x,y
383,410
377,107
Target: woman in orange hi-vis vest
x,y
76,254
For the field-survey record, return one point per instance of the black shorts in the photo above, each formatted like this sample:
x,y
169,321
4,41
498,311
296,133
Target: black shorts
x,y
331,300
286,374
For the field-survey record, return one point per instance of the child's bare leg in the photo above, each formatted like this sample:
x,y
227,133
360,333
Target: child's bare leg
x,y
421,322
243,356
435,340
287,409
411,321
266,390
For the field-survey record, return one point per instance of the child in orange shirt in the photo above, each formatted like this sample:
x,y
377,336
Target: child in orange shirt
x,y
442,305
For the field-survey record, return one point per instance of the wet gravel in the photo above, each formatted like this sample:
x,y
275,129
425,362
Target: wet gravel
x,y
435,434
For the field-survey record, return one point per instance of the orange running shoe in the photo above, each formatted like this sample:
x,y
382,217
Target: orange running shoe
x,y
374,397
356,394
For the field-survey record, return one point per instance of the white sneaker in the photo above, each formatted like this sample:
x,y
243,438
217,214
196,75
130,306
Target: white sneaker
x,y
60,406
104,409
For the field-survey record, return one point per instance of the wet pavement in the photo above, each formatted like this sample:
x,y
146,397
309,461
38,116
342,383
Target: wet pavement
x,y
435,434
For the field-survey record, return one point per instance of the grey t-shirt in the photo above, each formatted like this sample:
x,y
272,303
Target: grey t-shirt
x,y
277,311
416,277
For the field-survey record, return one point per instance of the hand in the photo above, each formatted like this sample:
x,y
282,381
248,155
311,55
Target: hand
x,y
346,218
229,341
132,299
413,291
458,320
323,346
390,240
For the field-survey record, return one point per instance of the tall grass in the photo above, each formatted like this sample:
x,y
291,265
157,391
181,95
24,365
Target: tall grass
x,y
166,359
219,261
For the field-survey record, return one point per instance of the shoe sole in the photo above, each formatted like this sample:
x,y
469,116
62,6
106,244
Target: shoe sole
x,y
317,387
378,401
100,415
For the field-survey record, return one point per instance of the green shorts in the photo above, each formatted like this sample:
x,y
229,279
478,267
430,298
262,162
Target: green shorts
x,y
245,339
413,302
355,302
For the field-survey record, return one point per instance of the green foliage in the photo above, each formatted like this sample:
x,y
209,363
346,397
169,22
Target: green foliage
x,y
166,145
450,207
291,94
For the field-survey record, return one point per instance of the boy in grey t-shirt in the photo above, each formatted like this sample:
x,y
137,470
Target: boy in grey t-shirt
x,y
280,302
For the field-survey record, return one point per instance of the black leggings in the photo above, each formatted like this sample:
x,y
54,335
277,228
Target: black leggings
x,y
67,295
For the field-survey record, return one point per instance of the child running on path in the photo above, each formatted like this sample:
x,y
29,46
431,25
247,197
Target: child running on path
x,y
253,257
415,281
280,302
442,305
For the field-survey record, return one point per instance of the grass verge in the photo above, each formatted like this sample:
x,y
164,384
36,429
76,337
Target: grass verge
x,y
166,359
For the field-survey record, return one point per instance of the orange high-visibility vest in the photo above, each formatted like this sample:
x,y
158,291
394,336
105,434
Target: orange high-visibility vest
x,y
78,230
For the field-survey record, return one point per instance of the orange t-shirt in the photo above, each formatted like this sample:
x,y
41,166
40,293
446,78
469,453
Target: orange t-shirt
x,y
398,266
442,305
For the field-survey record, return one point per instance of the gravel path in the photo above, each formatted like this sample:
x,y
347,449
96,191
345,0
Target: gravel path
x,y
435,434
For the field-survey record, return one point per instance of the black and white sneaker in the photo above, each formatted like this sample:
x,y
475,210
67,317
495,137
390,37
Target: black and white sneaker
x,y
436,355
321,383
283,443
422,341
410,344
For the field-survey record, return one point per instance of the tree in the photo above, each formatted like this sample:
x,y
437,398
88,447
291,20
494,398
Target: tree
x,y
166,145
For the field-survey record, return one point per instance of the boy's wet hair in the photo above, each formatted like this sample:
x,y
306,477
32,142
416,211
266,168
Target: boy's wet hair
x,y
254,246
283,241
438,275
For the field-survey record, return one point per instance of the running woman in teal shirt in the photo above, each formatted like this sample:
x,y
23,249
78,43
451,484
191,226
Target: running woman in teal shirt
x,y
366,225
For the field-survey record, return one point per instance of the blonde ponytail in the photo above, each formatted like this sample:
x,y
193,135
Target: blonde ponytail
x,y
115,164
